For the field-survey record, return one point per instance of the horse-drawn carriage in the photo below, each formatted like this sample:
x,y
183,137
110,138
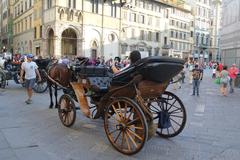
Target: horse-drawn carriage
x,y
11,71
133,103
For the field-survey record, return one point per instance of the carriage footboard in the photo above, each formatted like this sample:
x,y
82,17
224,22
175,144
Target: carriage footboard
x,y
82,100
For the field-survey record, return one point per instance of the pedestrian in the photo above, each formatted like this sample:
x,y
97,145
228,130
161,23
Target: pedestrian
x,y
233,72
190,68
197,75
30,69
224,81
182,75
176,80
133,57
214,72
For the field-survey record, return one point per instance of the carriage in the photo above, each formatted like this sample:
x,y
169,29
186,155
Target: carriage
x,y
134,103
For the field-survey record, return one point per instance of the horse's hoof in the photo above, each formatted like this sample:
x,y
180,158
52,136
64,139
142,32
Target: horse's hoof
x,y
50,107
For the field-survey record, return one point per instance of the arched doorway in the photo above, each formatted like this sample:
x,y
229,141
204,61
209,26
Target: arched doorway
x,y
69,42
51,42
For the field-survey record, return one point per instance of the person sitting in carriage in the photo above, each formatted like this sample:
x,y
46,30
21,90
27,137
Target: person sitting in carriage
x,y
133,57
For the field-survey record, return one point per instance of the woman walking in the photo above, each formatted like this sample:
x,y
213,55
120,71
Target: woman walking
x,y
224,81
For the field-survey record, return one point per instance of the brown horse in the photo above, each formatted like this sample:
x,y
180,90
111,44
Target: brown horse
x,y
58,76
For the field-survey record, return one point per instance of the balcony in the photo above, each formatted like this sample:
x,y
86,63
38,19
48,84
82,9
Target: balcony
x,y
166,46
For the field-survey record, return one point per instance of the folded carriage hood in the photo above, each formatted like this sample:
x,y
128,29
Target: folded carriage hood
x,y
156,68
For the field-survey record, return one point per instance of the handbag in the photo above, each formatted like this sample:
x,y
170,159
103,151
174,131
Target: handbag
x,y
217,81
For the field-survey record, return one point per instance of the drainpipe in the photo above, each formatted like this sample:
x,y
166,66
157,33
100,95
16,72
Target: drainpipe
x,y
82,40
102,46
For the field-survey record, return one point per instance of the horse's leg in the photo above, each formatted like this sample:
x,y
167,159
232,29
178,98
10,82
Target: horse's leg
x,y
50,94
56,104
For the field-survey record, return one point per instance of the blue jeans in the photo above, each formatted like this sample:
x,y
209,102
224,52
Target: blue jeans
x,y
196,84
231,84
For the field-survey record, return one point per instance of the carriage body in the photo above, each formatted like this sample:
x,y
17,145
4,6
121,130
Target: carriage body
x,y
126,99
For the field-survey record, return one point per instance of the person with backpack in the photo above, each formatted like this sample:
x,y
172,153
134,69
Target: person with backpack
x,y
197,75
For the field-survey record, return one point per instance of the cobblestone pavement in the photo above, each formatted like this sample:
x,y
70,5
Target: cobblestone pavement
x,y
34,132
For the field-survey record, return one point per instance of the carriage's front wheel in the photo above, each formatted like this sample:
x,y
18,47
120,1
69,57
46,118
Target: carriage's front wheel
x,y
125,126
169,114
67,110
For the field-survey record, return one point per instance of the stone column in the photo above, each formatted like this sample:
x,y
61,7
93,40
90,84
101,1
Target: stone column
x,y
57,47
79,47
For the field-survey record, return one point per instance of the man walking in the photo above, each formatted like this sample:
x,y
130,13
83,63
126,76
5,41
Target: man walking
x,y
233,71
30,69
197,75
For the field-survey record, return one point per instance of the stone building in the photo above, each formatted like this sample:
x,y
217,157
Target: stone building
x,y
230,32
201,12
23,26
181,31
214,50
6,24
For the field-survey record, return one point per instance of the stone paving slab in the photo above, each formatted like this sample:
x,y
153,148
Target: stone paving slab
x,y
212,131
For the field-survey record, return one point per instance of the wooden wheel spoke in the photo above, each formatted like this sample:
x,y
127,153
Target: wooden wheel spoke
x,y
117,137
135,134
172,115
173,128
174,121
133,121
131,138
156,109
127,141
139,128
175,111
171,105
123,135
113,131
125,112
167,130
117,114
120,109
129,115
116,121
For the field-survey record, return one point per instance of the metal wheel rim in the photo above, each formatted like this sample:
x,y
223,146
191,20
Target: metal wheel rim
x,y
172,107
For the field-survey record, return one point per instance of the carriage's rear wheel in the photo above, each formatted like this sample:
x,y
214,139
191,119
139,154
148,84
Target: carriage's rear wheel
x,y
67,110
169,114
125,125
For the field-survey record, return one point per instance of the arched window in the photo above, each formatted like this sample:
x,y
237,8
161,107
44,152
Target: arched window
x,y
61,14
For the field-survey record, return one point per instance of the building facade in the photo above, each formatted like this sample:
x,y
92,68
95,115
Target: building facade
x,y
181,31
143,27
23,26
95,28
215,25
201,12
230,35
6,22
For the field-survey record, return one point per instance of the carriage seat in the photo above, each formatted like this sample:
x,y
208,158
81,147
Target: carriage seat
x,y
99,76
99,84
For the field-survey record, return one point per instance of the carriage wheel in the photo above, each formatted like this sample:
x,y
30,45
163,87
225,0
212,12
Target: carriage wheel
x,y
67,110
40,87
125,126
169,114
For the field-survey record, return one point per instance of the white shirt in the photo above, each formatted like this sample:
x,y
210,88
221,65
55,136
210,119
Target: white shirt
x,y
30,69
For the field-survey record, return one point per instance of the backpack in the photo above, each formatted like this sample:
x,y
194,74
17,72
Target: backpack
x,y
196,74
